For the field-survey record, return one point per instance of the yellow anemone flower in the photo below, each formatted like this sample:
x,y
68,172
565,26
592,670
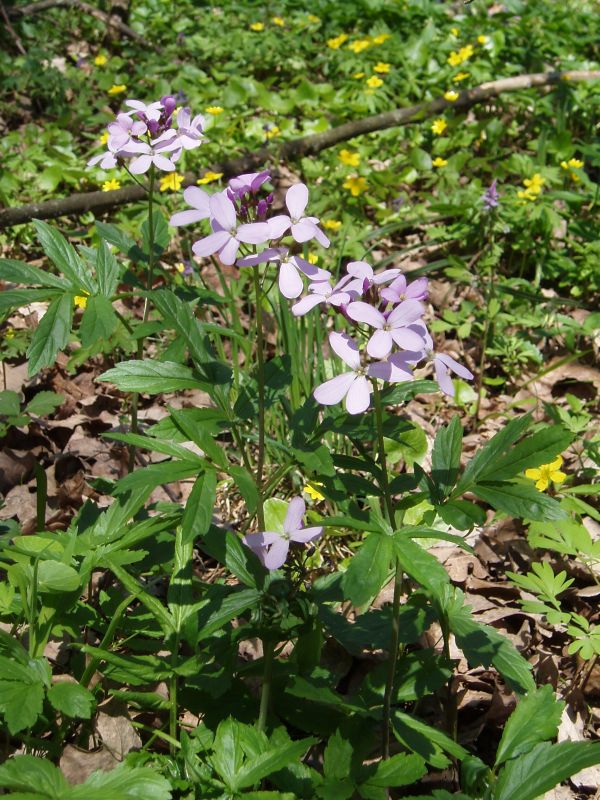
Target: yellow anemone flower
x,y
359,45
104,137
381,38
117,88
483,39
349,157
355,185
337,41
80,300
278,21
374,82
275,130
359,75
546,473
460,76
451,96
314,493
100,60
209,177
171,182
439,162
382,68
455,31
257,26
332,224
438,126
111,185
214,110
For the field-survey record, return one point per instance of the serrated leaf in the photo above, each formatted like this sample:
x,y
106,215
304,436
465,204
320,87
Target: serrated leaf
x,y
108,270
151,377
10,404
72,699
539,448
63,256
123,783
368,570
422,567
38,775
51,335
519,500
11,299
54,577
44,403
445,457
535,719
180,316
21,703
18,272
273,760
401,769
98,321
199,507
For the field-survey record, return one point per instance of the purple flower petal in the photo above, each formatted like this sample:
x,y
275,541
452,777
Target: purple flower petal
x,y
359,396
229,251
310,270
290,282
380,344
453,365
162,162
197,198
278,225
223,211
393,370
418,290
407,339
386,275
304,230
333,391
363,312
186,217
276,555
442,376
306,304
406,313
253,233
296,200
306,534
140,164
210,244
293,518
346,348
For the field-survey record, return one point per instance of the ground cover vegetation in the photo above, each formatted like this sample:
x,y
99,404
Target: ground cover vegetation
x,y
300,446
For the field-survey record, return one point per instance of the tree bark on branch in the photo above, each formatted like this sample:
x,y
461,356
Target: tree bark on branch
x,y
86,8
307,145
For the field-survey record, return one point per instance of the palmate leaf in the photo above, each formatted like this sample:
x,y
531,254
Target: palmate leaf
x,y
99,321
51,335
21,703
72,699
64,257
539,448
18,272
535,719
108,271
15,298
36,775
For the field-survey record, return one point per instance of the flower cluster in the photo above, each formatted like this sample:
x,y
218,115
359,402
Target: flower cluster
x,y
386,313
533,188
153,134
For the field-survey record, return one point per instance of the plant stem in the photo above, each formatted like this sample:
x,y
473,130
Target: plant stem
x,y
398,581
260,359
173,715
265,695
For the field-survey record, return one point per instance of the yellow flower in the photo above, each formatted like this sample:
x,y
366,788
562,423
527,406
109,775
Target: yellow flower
x,y
273,131
572,163
483,39
171,181
117,88
100,60
180,267
358,75
374,82
381,67
546,473
381,38
451,96
355,185
332,224
349,157
81,299
535,183
214,110
109,186
313,493
439,162
359,45
9,334
257,26
337,41
438,126
209,177
457,57
314,19
104,138
455,31
313,258
460,76
278,21
574,176
526,195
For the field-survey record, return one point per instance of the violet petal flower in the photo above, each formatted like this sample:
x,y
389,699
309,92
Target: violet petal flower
x,y
322,292
122,129
362,277
443,365
391,329
228,235
189,131
398,290
353,385
151,111
271,547
199,200
106,160
491,198
397,369
303,229
248,183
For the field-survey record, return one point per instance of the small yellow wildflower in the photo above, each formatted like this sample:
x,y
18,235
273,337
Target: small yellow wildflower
x,y
273,131
313,258
455,31
381,67
278,21
9,334
460,76
111,185
180,267
458,57
209,177
355,185
451,96
359,45
381,38
374,82
439,162
483,39
214,110
572,163
314,19
332,224
574,177
171,181
546,473
100,60
535,183
349,157
257,26
438,126
104,138
359,75
337,41
80,300
117,88
314,493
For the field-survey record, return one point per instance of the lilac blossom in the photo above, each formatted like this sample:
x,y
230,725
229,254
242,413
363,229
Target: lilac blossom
x,y
363,277
145,155
491,198
189,131
291,269
248,183
303,228
391,328
149,111
399,290
443,365
199,201
396,369
106,160
323,293
352,385
122,129
227,235
272,547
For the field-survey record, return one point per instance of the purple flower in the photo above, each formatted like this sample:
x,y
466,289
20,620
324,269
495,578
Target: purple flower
x,y
303,228
391,328
272,547
491,198
398,290
396,369
249,183
290,270
228,235
362,277
149,111
107,160
143,155
322,292
199,201
443,365
353,385
121,131
189,130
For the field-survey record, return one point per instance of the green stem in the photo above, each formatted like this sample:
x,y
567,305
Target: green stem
x,y
173,716
106,639
398,580
260,358
265,695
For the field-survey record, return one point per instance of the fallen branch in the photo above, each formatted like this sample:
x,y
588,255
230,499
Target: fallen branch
x,y
307,145
86,8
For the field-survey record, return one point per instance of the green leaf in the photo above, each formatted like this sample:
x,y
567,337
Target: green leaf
x,y
108,270
445,457
44,403
180,316
151,377
18,272
98,322
368,570
10,404
275,513
199,507
200,436
123,783
153,604
72,699
519,500
420,159
228,549
21,703
214,614
540,448
535,719
125,244
51,335
15,298
541,769
338,757
160,234
54,577
228,756
427,742
401,769
246,486
422,567
273,760
63,256
37,775
179,594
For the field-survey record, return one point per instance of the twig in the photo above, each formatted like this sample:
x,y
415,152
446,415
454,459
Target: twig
x,y
11,30
307,145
